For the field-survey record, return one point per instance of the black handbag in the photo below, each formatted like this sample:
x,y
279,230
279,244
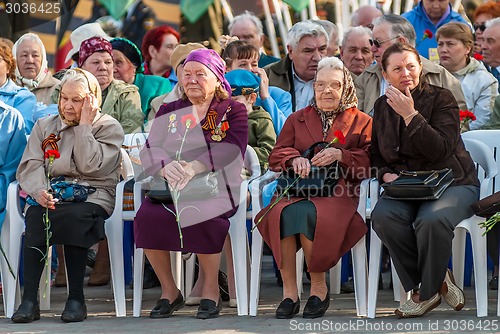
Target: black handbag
x,y
419,185
320,182
201,186
488,206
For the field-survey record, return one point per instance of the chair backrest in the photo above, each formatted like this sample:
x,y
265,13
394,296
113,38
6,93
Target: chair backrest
x,y
133,143
127,168
492,139
251,162
483,156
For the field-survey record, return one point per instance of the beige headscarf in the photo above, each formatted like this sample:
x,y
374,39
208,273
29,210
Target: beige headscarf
x,y
75,74
348,99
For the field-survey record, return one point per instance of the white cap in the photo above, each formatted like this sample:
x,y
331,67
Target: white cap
x,y
82,33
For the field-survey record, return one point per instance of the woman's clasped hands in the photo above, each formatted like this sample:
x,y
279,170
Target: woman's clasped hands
x,y
178,174
302,166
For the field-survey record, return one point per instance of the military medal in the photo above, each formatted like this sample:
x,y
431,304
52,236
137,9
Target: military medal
x,y
172,123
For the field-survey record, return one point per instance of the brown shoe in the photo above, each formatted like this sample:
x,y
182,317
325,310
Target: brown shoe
x,y
410,309
60,280
100,275
452,294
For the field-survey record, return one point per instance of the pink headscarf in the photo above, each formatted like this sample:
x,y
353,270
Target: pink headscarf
x,y
92,45
213,61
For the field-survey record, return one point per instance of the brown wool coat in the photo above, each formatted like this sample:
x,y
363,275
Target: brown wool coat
x,y
339,227
431,140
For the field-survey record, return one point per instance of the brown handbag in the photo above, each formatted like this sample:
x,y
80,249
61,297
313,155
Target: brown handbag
x,y
488,206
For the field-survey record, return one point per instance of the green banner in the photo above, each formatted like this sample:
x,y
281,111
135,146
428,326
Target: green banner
x,y
194,9
297,5
116,8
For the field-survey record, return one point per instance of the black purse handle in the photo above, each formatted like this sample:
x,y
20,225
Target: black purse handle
x,y
309,153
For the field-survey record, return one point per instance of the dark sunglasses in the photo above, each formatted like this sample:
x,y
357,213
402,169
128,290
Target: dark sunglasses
x,y
479,27
378,43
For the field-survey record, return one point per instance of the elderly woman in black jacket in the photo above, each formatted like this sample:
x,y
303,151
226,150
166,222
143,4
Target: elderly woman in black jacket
x,y
416,127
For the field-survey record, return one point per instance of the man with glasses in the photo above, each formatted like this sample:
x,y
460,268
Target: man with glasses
x,y
430,15
370,85
491,47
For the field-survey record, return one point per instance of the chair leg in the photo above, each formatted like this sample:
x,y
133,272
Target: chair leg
x,y
458,255
176,260
114,233
45,284
373,273
138,277
480,267
299,258
255,273
335,279
360,276
190,267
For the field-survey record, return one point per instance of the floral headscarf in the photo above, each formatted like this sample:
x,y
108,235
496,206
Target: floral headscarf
x,y
25,82
92,45
213,61
348,99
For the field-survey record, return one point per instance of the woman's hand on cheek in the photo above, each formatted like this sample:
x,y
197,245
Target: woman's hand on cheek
x,y
401,103
89,109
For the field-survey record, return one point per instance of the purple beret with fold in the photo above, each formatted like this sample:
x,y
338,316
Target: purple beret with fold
x,y
213,61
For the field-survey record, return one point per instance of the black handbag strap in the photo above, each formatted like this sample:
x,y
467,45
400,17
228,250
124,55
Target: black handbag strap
x,y
309,153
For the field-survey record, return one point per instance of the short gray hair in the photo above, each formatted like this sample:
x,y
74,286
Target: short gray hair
x,y
330,62
305,28
358,30
86,79
493,22
399,27
246,15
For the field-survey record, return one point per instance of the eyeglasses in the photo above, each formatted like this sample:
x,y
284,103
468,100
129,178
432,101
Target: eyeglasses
x,y
479,27
378,43
320,86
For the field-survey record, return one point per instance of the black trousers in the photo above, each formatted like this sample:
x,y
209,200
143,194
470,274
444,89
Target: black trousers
x,y
419,235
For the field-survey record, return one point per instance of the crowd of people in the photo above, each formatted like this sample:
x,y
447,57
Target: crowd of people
x,y
383,97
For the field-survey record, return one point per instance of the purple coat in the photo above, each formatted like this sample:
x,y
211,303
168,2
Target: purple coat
x,y
204,223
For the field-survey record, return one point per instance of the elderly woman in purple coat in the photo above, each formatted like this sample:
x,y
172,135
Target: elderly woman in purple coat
x,y
214,139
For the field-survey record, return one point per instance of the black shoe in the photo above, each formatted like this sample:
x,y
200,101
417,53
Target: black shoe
x,y
208,309
164,309
28,311
316,307
494,283
287,308
150,280
347,287
223,287
74,311
91,254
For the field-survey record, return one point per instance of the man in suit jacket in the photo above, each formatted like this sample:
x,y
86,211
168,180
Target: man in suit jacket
x,y
370,85
307,44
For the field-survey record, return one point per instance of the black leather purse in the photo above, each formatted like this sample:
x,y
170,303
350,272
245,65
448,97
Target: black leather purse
x,y
418,186
320,182
201,186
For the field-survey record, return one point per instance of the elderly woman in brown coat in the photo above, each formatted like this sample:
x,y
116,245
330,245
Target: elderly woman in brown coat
x,y
416,128
325,227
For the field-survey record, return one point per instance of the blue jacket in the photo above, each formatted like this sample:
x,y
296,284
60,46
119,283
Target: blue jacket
x,y
420,21
12,144
278,105
21,99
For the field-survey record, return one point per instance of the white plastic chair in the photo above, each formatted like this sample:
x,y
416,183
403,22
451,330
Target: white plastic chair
x,y
358,252
13,228
482,155
492,139
239,245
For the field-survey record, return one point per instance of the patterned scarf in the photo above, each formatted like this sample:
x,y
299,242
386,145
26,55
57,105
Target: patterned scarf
x,y
348,99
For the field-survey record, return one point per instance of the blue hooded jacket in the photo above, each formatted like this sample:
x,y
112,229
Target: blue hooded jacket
x,y
420,21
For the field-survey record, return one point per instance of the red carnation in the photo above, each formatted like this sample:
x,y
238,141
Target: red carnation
x,y
189,121
478,56
339,137
428,33
467,115
52,154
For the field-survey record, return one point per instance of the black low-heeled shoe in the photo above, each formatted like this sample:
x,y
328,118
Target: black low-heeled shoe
x,y
27,312
163,308
208,309
315,307
74,311
287,308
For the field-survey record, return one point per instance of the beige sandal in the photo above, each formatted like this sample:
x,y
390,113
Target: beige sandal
x,y
452,294
410,309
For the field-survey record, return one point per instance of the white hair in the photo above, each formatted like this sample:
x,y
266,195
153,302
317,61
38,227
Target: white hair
x,y
246,15
358,30
305,28
86,79
330,62
493,22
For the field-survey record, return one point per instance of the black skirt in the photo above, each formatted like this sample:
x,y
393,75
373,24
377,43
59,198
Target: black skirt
x,y
73,224
298,218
